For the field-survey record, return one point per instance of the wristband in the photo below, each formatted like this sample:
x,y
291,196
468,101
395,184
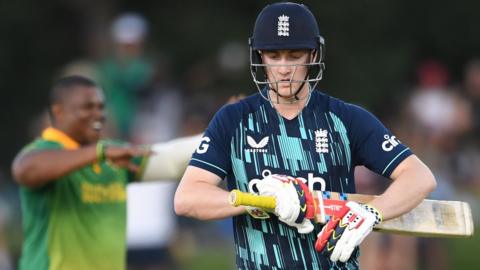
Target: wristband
x,y
100,150
373,210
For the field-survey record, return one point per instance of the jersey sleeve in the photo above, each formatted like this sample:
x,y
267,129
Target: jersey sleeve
x,y
374,146
213,152
40,144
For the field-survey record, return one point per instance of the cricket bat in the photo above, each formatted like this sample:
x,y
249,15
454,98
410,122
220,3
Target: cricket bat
x,y
431,218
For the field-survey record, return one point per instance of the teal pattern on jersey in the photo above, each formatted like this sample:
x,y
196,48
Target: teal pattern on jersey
x,y
340,128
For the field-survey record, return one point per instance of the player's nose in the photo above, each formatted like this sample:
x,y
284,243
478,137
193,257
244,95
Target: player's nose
x,y
284,68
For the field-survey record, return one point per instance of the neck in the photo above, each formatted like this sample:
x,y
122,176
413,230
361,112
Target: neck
x,y
70,133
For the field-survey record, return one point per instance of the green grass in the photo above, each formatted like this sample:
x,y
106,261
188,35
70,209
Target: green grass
x,y
464,253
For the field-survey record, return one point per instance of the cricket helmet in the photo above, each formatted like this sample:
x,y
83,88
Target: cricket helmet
x,y
286,26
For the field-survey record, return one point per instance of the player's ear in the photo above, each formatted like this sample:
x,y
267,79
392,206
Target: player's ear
x,y
56,111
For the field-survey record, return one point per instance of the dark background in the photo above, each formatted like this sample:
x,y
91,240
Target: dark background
x,y
373,49
372,46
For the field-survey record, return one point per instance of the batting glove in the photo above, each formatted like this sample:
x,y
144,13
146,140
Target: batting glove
x,y
343,233
292,197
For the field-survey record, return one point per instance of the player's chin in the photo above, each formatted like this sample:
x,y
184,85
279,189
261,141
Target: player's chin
x,y
93,135
287,91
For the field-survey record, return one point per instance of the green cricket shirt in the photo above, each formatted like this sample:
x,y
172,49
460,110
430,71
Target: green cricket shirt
x,y
77,221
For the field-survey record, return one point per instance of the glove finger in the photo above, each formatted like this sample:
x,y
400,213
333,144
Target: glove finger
x,y
342,239
346,253
332,242
353,240
287,212
305,227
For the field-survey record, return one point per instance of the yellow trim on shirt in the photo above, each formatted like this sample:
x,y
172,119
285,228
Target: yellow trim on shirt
x,y
56,135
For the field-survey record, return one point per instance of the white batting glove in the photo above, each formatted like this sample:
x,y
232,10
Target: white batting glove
x,y
342,234
288,208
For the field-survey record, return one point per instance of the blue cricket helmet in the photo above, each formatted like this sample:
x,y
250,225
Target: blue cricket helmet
x,y
286,26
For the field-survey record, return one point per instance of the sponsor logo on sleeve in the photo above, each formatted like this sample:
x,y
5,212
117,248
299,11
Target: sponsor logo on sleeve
x,y
389,143
203,147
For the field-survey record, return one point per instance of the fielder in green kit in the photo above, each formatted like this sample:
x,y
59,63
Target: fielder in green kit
x,y
73,185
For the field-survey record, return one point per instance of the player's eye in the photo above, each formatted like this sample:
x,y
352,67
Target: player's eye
x,y
271,55
296,56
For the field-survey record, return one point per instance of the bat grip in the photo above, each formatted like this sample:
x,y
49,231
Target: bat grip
x,y
237,198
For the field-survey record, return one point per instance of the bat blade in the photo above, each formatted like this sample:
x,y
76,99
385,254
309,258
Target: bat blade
x,y
431,218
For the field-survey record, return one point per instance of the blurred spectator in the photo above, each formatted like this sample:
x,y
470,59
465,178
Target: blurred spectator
x,y
160,110
144,109
468,169
127,72
439,117
472,89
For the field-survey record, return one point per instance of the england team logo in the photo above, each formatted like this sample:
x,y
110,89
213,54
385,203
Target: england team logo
x,y
321,141
283,26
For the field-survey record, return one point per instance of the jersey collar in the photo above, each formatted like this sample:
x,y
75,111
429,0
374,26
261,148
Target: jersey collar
x,y
56,135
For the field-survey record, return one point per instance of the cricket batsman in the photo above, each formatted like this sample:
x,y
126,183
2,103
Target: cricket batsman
x,y
291,128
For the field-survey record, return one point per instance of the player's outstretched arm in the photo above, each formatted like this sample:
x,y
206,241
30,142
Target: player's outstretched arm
x,y
39,167
412,182
199,196
169,159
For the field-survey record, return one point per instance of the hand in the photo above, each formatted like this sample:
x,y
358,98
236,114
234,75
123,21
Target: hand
x,y
291,199
343,233
121,156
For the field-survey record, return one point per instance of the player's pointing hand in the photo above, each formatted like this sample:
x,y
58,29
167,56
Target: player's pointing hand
x,y
121,156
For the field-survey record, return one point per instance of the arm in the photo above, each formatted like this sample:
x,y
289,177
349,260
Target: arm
x,y
169,159
37,168
199,196
412,182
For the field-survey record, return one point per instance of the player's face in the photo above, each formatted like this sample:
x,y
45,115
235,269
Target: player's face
x,y
286,70
82,114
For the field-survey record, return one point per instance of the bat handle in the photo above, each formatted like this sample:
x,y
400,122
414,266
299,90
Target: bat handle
x,y
237,198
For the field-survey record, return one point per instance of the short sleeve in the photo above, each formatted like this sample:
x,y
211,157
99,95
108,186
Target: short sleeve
x,y
373,145
41,144
213,152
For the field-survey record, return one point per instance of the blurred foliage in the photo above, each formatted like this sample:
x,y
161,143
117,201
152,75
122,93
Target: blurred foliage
x,y
372,46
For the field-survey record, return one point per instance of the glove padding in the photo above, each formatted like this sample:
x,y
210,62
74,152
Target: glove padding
x,y
291,199
344,232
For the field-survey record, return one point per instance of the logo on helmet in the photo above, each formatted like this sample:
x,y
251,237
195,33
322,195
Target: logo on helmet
x,y
283,26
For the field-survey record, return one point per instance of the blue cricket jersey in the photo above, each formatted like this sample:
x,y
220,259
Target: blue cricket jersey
x,y
323,144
